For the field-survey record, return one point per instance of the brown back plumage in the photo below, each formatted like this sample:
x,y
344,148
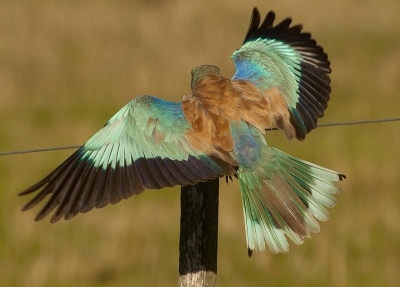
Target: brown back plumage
x,y
215,101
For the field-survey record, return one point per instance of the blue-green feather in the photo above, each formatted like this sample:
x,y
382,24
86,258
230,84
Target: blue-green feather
x,y
282,195
283,56
142,146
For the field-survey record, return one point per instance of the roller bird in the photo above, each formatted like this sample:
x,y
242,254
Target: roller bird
x,y
281,79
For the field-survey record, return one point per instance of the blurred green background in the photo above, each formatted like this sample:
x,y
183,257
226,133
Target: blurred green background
x,y
67,66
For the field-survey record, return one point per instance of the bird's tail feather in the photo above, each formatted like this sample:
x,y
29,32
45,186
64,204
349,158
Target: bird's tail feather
x,y
284,200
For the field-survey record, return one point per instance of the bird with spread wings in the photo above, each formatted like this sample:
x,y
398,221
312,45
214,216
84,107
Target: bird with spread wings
x,y
282,78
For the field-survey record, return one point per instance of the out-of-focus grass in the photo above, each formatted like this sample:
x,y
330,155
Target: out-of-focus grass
x,y
67,67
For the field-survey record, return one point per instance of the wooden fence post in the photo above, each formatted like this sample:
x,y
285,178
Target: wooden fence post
x,y
198,242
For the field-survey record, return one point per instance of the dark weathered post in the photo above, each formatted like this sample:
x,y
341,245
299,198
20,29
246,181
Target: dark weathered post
x,y
199,235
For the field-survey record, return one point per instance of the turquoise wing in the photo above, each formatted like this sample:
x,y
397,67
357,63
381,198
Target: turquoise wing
x,y
284,57
141,147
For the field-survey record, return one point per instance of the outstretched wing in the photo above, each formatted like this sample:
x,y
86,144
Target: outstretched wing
x,y
141,147
285,58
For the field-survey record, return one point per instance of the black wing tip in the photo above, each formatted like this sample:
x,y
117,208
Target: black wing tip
x,y
28,206
34,201
34,187
284,24
25,192
254,23
55,218
255,11
249,252
69,216
40,216
283,31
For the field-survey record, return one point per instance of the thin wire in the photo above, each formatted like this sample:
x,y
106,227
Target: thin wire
x,y
351,123
39,150
271,129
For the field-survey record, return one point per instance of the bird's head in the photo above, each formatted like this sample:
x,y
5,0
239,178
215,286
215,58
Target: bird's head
x,y
200,72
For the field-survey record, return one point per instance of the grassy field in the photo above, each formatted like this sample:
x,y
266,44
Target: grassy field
x,y
67,66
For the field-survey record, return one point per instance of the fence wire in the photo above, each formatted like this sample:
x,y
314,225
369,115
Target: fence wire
x,y
272,129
